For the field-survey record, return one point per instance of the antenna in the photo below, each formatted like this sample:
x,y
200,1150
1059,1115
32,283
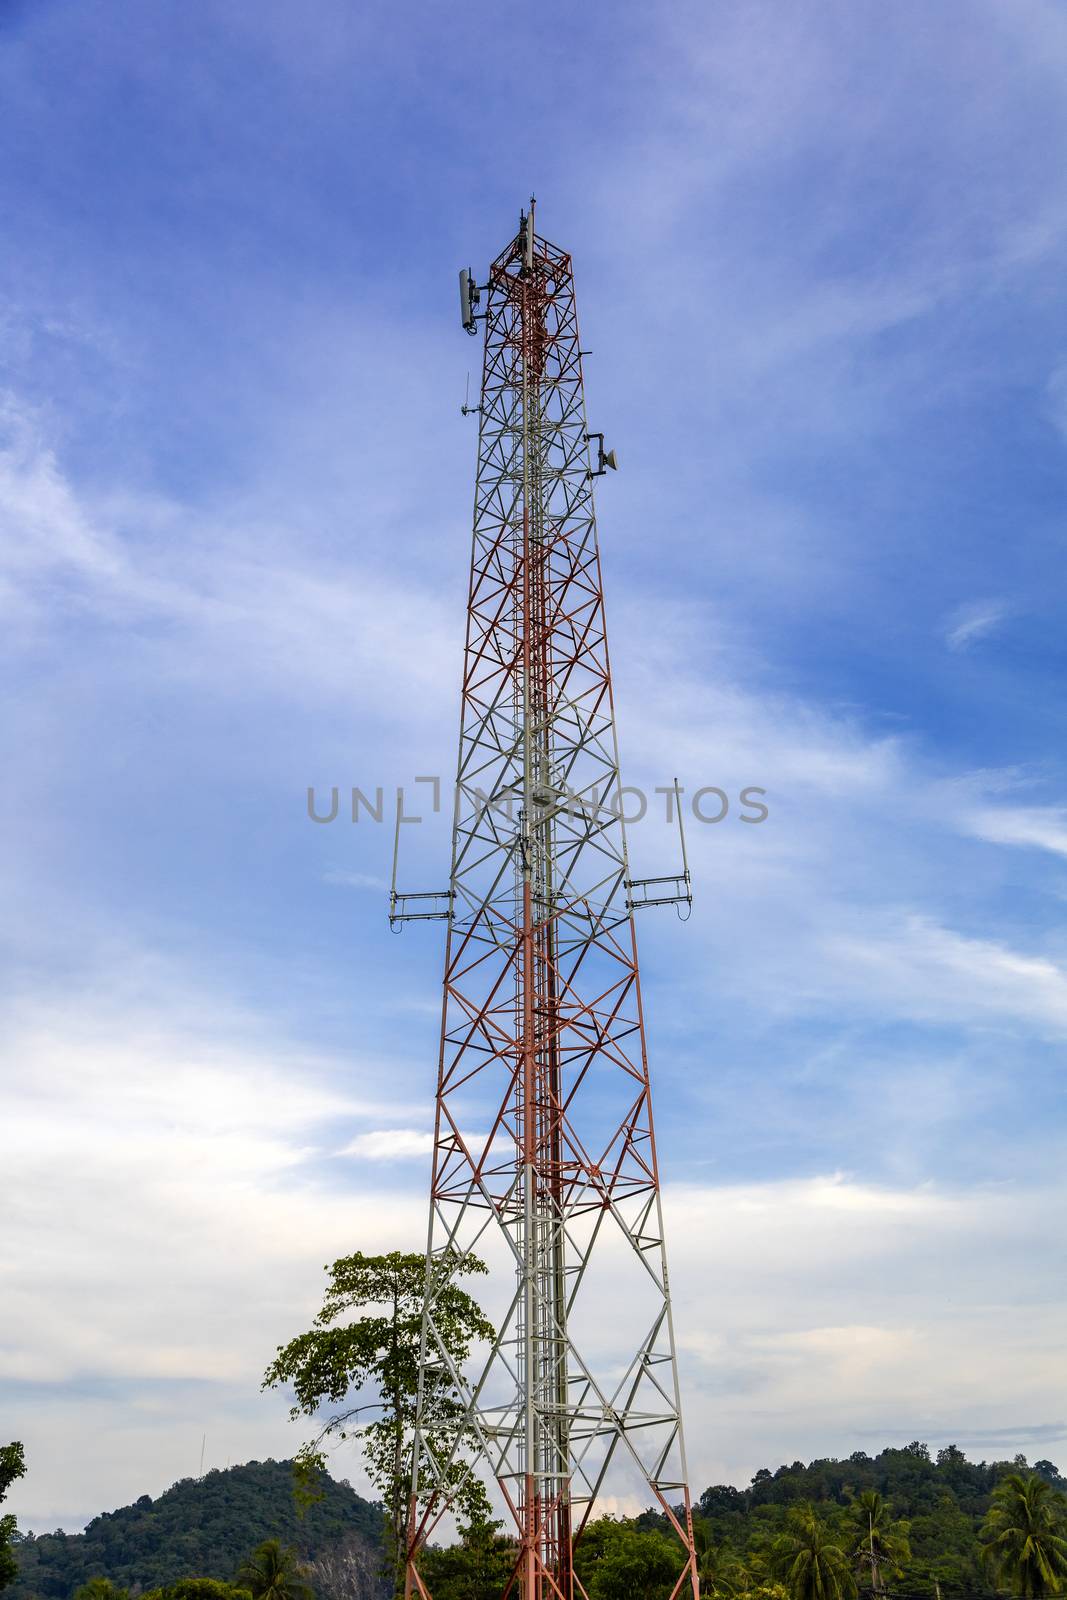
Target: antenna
x,y
440,906
396,857
673,888
528,242
469,296
466,408
685,859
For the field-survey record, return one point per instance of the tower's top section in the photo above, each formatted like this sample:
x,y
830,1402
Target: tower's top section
x,y
525,256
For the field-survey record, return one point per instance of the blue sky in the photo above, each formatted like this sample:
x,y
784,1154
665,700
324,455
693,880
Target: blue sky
x,y
820,256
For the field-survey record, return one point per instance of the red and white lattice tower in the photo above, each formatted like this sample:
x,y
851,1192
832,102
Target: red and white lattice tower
x,y
545,1159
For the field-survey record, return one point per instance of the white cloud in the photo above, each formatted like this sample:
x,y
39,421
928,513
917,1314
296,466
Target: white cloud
x,y
845,901
389,1144
400,1144
232,598
918,968
974,621
168,1217
840,1310
42,525
355,880
1037,827
169,1117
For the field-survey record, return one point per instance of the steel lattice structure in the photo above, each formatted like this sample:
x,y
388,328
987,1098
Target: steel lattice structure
x,y
542,1039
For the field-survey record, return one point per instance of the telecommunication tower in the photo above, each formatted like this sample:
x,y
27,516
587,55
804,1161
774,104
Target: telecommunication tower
x,y
544,1158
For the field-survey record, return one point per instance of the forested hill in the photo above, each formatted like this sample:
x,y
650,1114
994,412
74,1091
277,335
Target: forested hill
x,y
913,1479
940,1500
204,1528
201,1526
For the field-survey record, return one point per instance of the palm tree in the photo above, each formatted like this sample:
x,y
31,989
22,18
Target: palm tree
x,y
100,1589
807,1561
724,1573
273,1572
707,1556
1022,1536
883,1544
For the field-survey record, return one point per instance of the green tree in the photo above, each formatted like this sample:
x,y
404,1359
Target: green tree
x,y
632,1565
725,1572
708,1563
198,1589
375,1359
100,1589
477,1568
805,1558
743,1579
274,1572
1022,1536
12,1466
882,1545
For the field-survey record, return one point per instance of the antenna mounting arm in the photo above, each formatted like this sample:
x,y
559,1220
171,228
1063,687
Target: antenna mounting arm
x,y
605,458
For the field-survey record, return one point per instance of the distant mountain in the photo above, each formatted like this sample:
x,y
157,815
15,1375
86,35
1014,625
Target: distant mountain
x,y
204,1527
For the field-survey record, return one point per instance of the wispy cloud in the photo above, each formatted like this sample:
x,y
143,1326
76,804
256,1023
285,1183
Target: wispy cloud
x,y
222,1166
1036,827
400,1144
234,518
390,1144
354,880
929,972
974,621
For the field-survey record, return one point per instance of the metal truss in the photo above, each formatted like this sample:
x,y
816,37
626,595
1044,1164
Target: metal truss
x,y
545,1158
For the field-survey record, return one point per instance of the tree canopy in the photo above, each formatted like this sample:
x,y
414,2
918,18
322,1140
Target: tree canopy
x,y
101,1589
477,1567
198,1589
370,1367
274,1572
1024,1536
808,1561
204,1527
12,1466
617,1560
926,1518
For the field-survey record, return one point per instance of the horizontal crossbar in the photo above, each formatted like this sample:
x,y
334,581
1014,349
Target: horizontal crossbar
x,y
679,893
398,911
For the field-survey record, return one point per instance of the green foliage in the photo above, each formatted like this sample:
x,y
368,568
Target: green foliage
x,y
809,1532
477,1568
274,1572
808,1562
1023,1536
12,1466
375,1360
204,1526
961,1525
882,1549
198,1589
101,1589
618,1561
926,1526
